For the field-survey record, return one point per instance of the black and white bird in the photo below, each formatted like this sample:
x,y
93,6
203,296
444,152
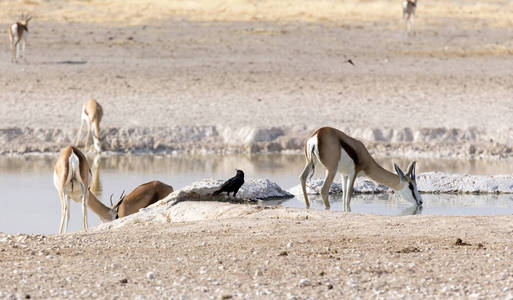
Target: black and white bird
x,y
231,185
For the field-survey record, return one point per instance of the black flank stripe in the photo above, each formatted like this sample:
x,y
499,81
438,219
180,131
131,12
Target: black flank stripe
x,y
350,151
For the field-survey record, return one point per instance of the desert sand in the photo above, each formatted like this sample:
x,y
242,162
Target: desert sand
x,y
203,76
271,253
259,76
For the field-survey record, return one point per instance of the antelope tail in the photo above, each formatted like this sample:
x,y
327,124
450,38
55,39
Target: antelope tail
x,y
311,155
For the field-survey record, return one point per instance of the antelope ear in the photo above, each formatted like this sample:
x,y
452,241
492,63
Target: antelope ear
x,y
399,171
411,170
28,18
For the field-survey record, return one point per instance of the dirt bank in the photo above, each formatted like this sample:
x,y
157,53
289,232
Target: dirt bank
x,y
267,253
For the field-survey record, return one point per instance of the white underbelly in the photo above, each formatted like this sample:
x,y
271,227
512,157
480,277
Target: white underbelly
x,y
345,164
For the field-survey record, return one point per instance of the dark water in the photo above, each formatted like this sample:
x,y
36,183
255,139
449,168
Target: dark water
x,y
30,203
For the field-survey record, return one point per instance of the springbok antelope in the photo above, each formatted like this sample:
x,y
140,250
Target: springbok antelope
x,y
141,197
340,152
18,33
71,168
92,114
409,7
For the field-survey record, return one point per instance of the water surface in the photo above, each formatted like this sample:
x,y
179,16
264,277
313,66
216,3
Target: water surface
x,y
30,203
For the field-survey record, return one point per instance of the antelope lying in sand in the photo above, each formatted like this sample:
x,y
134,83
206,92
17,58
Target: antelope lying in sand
x,y
409,7
18,33
348,156
71,168
141,197
92,114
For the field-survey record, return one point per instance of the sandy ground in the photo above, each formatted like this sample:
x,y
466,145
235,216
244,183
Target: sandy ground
x,y
193,83
260,76
272,253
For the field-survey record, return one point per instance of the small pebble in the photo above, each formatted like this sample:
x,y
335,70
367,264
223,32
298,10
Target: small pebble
x,y
150,275
304,282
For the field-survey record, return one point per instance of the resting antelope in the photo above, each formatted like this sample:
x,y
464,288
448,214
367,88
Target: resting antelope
x,y
71,168
141,197
409,7
348,156
92,114
18,33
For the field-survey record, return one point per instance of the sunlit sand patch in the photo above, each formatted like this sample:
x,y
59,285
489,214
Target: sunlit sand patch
x,y
132,12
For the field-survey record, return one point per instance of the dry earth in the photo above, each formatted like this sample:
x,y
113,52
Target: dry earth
x,y
272,253
194,76
259,75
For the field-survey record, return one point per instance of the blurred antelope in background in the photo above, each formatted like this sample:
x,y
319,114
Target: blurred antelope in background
x,y
71,168
409,7
18,33
92,114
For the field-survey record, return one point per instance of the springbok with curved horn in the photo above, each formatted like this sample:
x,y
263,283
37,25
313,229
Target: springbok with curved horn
x,y
71,168
18,33
341,153
141,197
92,113
409,7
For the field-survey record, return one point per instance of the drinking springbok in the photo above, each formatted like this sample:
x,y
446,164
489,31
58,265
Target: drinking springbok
x,y
341,153
92,113
71,168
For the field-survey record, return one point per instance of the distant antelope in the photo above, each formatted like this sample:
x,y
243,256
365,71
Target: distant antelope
x,y
71,168
18,33
409,7
92,113
341,153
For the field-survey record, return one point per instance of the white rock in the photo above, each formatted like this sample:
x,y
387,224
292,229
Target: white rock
x,y
249,135
202,205
431,182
